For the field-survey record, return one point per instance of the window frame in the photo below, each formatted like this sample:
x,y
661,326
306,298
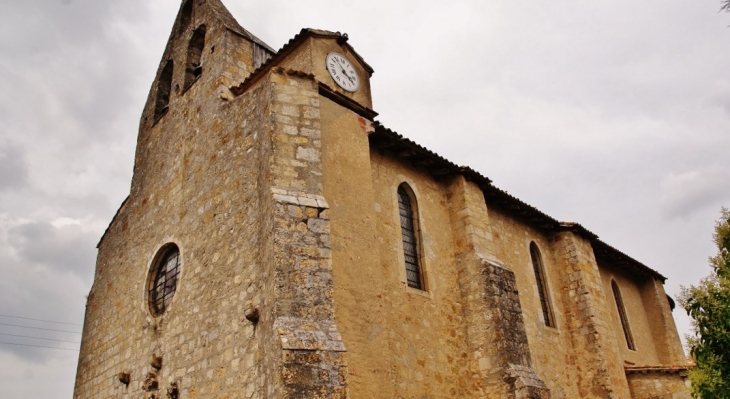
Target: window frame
x,y
186,15
194,57
543,290
164,90
404,190
163,280
623,315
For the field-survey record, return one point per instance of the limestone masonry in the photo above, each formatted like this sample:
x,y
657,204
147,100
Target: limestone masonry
x,y
277,242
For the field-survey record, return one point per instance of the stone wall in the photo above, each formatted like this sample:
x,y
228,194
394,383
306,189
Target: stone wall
x,y
663,329
659,383
499,355
401,342
313,362
358,294
472,237
208,204
419,341
550,347
594,355
638,317
197,180
309,58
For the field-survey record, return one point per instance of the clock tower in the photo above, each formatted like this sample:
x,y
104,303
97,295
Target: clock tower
x,y
342,72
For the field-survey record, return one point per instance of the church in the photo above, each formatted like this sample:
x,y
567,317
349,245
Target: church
x,y
279,242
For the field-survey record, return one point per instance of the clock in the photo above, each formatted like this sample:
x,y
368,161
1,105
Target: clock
x,y
342,72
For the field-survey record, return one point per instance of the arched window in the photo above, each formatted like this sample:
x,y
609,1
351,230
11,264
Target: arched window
x,y
186,15
410,232
622,315
163,278
542,287
164,86
193,67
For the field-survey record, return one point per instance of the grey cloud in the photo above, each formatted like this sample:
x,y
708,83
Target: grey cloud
x,y
30,291
46,273
21,379
686,193
75,67
721,96
14,167
95,204
61,249
50,25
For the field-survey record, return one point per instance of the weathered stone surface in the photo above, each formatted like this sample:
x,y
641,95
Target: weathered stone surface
x,y
659,383
198,182
292,278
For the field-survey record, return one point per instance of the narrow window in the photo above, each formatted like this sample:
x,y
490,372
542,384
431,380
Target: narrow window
x,y
193,68
186,15
409,231
541,285
622,315
164,86
163,278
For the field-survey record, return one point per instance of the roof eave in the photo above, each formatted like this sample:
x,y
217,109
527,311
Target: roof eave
x,y
287,48
439,166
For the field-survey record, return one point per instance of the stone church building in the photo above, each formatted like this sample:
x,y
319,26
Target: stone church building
x,y
278,242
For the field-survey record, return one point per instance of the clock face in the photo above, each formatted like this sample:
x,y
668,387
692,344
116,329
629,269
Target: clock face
x,y
342,72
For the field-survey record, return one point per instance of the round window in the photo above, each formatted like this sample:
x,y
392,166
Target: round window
x,y
163,278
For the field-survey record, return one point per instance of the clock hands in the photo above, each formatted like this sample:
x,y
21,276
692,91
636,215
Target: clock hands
x,y
342,68
342,72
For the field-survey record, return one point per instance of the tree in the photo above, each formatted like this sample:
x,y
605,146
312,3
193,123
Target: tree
x,y
725,5
708,304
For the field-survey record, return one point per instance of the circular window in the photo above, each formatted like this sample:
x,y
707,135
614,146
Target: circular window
x,y
163,278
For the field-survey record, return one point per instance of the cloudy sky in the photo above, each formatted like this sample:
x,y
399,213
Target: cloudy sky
x,y
614,114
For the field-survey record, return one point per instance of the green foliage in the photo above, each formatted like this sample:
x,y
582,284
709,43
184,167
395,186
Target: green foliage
x,y
708,304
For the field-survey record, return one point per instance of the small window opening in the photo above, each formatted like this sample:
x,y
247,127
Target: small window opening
x,y
194,68
410,234
622,315
186,15
164,86
541,282
163,278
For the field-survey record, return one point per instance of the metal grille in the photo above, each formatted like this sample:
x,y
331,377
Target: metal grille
x,y
622,315
165,282
541,286
410,242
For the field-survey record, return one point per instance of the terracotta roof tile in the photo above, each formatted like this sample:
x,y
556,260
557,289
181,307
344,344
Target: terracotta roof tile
x,y
290,45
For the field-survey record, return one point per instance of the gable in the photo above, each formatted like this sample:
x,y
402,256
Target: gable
x,y
306,53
